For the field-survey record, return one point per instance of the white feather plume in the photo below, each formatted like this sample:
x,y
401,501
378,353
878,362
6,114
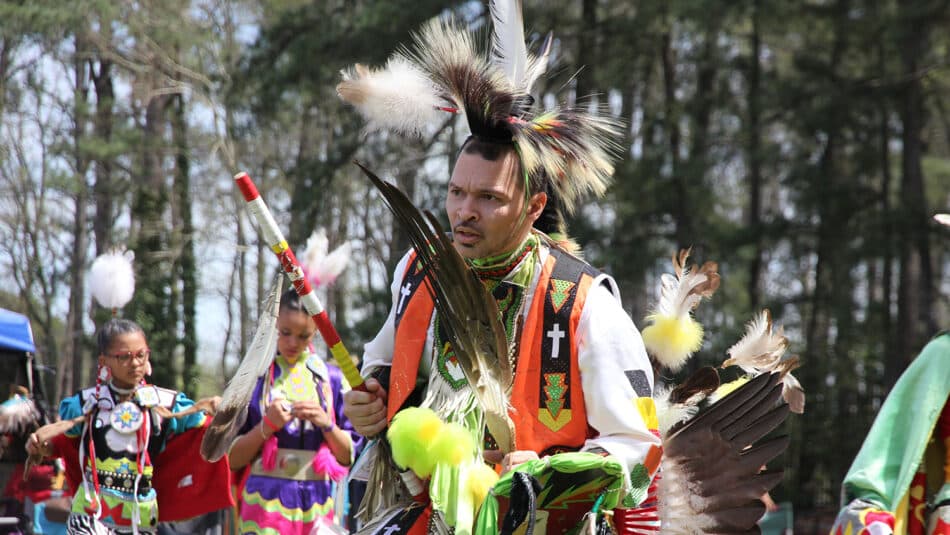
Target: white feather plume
x,y
761,350
17,413
509,51
943,219
398,97
672,335
321,267
112,279
259,354
508,47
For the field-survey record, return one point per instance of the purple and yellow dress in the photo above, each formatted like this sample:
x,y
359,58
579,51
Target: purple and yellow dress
x,y
296,495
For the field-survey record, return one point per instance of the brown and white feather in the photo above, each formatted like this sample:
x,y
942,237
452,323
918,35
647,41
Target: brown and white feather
x,y
712,480
682,292
761,350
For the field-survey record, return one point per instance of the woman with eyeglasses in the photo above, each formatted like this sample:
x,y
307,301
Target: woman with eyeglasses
x,y
121,437
296,439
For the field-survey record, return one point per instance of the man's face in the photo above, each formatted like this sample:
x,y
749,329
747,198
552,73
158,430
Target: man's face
x,y
485,203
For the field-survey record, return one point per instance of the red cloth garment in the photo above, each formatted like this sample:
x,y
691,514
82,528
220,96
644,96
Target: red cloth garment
x,y
187,485
36,486
68,448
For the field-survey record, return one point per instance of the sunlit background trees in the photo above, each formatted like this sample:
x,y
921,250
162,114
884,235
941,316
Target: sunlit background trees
x,y
801,144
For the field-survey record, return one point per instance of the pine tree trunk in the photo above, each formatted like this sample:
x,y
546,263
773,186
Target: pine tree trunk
x,y
187,268
71,365
150,236
915,322
754,159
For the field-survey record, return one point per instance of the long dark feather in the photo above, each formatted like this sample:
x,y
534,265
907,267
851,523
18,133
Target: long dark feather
x,y
467,311
712,464
232,411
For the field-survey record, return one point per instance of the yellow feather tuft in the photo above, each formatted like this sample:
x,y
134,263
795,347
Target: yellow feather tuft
x,y
727,388
672,339
480,479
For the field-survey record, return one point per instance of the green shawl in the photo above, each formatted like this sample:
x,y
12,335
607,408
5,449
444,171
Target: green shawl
x,y
885,465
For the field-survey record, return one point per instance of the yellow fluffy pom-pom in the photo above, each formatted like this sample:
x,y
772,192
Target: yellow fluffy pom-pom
x,y
453,445
672,339
411,434
480,479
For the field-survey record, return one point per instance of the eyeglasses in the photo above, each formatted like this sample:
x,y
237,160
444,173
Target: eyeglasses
x,y
125,358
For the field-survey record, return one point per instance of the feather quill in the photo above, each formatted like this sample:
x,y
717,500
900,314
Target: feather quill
x,y
509,51
232,410
673,335
112,279
760,350
467,311
320,266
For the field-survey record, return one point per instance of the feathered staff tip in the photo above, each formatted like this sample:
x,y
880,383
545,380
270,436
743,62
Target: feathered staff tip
x,y
321,266
112,279
761,350
673,335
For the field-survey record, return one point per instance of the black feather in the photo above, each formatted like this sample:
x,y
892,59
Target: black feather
x,y
466,309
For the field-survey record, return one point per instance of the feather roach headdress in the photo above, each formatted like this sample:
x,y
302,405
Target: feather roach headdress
x,y
443,71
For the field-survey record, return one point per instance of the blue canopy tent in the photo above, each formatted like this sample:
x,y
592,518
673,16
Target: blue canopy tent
x,y
17,368
15,332
17,360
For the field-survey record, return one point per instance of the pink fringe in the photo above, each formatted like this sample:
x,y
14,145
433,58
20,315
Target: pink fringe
x,y
269,453
325,463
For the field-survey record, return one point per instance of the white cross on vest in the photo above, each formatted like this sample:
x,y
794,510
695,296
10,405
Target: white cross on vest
x,y
555,335
405,293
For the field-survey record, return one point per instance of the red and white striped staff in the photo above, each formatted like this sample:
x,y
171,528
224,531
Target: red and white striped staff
x,y
288,262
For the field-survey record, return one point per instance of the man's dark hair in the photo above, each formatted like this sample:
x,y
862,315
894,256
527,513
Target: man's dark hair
x,y
492,150
113,328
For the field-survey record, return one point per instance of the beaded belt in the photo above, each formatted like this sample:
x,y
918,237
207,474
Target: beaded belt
x,y
123,482
291,464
